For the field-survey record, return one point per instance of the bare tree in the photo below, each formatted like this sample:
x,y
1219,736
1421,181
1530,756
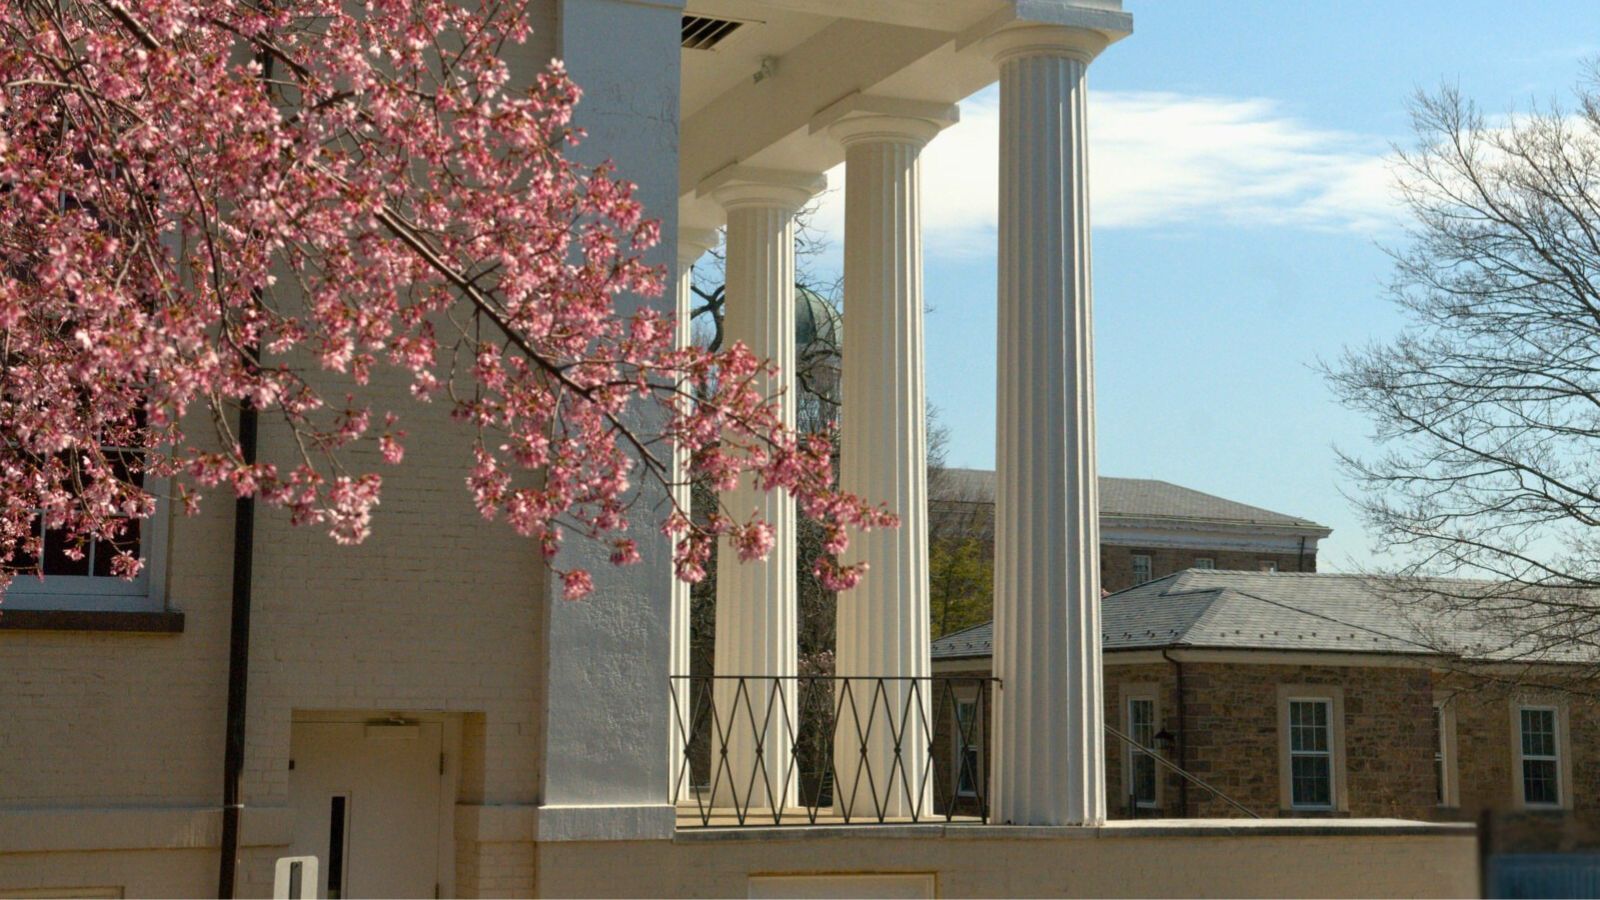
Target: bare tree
x,y
1487,406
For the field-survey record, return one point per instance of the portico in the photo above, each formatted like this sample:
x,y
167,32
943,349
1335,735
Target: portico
x,y
819,82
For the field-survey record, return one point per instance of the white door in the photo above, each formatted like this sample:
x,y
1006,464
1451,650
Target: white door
x,y
366,804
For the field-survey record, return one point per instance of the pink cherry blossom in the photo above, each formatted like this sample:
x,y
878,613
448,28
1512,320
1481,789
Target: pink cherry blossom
x,y
207,204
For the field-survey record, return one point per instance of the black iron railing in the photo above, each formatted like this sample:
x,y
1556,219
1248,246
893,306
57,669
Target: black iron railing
x,y
815,749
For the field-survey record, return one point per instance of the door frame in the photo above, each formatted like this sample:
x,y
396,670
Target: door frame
x,y
449,782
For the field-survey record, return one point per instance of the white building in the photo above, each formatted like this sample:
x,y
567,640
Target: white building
x,y
423,718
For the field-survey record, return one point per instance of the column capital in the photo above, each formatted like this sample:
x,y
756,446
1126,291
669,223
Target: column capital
x,y
860,118
742,186
1051,28
693,243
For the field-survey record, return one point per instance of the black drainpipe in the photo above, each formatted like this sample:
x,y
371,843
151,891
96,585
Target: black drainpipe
x,y
1183,732
244,530
1300,563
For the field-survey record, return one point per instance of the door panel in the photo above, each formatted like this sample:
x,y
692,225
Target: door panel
x,y
366,801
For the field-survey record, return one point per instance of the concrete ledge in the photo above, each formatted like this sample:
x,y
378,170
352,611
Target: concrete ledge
x,y
1143,828
63,829
655,822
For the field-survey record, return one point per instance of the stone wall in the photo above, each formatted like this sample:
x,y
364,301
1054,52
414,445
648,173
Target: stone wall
x,y
1116,562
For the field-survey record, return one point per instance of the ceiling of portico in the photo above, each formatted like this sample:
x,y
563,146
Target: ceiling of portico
x,y
818,52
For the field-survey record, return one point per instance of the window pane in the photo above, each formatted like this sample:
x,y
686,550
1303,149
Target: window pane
x,y
1144,779
1539,781
1308,726
1311,781
106,551
1205,563
1142,721
1538,732
56,560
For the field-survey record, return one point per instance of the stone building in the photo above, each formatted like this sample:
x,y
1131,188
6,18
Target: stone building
x,y
1324,695
1148,529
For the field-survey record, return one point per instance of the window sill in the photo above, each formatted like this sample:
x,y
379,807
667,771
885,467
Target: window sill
x,y
164,622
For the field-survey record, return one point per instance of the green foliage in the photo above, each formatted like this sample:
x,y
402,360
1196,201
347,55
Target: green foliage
x,y
960,583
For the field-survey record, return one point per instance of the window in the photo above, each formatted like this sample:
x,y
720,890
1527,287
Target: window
x,y
1310,754
1266,565
88,583
1141,725
1311,758
1540,756
965,745
1205,562
1438,755
1447,790
1142,570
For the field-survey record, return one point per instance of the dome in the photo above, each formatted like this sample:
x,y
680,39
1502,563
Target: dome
x,y
815,322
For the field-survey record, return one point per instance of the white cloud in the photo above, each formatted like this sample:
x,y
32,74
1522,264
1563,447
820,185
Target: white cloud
x,y
1165,159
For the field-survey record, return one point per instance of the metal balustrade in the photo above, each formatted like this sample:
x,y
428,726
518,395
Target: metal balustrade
x,y
820,749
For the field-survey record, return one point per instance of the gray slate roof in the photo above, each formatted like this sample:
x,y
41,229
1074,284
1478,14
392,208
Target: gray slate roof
x,y
1127,497
1322,612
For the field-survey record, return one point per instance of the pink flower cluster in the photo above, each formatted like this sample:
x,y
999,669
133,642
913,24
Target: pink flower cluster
x,y
211,203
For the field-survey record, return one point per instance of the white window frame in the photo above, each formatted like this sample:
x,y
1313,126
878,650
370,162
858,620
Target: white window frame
x,y
1563,756
1267,565
1444,751
958,736
1132,693
1149,568
1338,794
88,593
1205,562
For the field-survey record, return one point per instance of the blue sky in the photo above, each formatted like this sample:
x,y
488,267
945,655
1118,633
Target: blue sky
x,y
1241,202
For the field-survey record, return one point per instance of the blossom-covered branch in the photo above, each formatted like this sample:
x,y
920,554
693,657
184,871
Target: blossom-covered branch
x,y
207,204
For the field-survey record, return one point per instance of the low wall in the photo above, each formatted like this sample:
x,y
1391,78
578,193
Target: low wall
x,y
1277,858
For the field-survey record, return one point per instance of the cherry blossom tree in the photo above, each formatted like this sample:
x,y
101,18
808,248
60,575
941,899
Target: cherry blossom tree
x,y
209,206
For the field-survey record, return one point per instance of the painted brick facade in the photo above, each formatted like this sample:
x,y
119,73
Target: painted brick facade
x,y
438,614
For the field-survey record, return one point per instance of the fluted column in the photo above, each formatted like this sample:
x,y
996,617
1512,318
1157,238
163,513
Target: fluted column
x,y
692,244
883,623
1049,766
756,632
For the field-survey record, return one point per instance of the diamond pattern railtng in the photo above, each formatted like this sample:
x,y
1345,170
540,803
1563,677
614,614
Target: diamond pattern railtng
x,y
707,715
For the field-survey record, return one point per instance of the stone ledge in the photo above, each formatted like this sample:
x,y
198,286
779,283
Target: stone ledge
x,y
1146,828
651,822
163,622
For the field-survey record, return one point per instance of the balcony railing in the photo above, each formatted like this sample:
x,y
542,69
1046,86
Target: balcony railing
x,y
816,750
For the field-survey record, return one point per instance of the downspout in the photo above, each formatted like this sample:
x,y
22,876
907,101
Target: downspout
x,y
244,530
1300,562
244,556
1183,732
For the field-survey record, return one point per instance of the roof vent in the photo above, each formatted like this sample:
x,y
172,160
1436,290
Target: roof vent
x,y
705,33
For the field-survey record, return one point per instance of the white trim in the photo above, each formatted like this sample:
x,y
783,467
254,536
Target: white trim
x,y
86,593
1128,693
968,697
1333,696
1563,758
1447,750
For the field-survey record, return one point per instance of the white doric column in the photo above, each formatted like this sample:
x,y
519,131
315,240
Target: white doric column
x,y
1049,766
692,244
883,623
756,633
